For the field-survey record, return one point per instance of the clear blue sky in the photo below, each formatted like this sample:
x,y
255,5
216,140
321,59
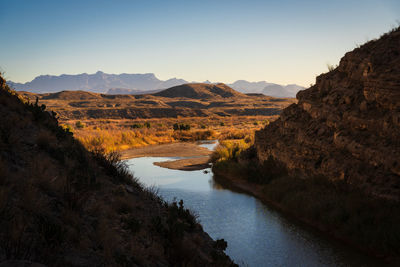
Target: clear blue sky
x,y
282,41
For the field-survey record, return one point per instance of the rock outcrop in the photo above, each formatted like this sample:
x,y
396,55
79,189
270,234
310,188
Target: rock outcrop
x,y
347,125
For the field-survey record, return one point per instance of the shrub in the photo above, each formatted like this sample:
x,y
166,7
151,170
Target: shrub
x,y
80,125
68,128
180,219
194,135
181,127
114,166
137,126
330,67
229,150
221,244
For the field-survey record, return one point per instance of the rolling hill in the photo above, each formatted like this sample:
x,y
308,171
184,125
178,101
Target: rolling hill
x,y
200,91
189,100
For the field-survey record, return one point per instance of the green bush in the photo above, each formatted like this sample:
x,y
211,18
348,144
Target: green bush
x,y
229,150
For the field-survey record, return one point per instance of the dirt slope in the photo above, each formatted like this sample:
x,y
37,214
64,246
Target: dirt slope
x,y
61,205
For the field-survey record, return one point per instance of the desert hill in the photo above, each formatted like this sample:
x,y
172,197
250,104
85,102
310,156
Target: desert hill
x,y
190,100
124,91
200,91
346,127
77,95
61,205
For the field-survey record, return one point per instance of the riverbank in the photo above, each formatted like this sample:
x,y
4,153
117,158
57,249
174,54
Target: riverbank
x,y
197,157
339,213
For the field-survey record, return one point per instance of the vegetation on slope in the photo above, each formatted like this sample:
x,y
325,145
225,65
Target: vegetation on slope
x,y
335,207
61,205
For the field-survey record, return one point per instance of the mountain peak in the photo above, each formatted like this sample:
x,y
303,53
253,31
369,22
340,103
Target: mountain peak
x,y
98,82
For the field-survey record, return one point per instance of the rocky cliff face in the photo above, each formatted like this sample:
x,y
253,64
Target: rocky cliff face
x,y
346,126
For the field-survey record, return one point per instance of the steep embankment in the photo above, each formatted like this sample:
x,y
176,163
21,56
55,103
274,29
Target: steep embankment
x,y
61,205
347,126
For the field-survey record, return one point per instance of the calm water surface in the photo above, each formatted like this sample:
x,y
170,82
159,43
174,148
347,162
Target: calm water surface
x,y
256,234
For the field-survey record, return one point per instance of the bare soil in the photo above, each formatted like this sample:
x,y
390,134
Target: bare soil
x,y
192,164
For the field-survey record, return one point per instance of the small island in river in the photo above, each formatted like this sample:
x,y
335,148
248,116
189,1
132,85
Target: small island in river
x,y
195,156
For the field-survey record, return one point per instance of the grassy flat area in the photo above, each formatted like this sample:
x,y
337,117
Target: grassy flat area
x,y
184,113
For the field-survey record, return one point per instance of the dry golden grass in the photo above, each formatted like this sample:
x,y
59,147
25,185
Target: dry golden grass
x,y
231,149
118,135
121,122
116,140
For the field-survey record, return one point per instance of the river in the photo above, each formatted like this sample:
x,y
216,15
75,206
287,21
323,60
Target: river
x,y
256,234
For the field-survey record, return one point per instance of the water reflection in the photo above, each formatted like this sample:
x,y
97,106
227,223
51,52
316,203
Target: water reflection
x,y
256,235
210,144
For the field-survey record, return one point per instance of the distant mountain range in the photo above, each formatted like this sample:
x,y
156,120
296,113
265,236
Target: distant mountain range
x,y
101,82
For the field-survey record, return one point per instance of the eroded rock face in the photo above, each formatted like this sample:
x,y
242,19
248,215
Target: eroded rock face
x,y
346,126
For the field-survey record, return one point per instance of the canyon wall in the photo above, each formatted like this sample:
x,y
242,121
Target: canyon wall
x,y
347,125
